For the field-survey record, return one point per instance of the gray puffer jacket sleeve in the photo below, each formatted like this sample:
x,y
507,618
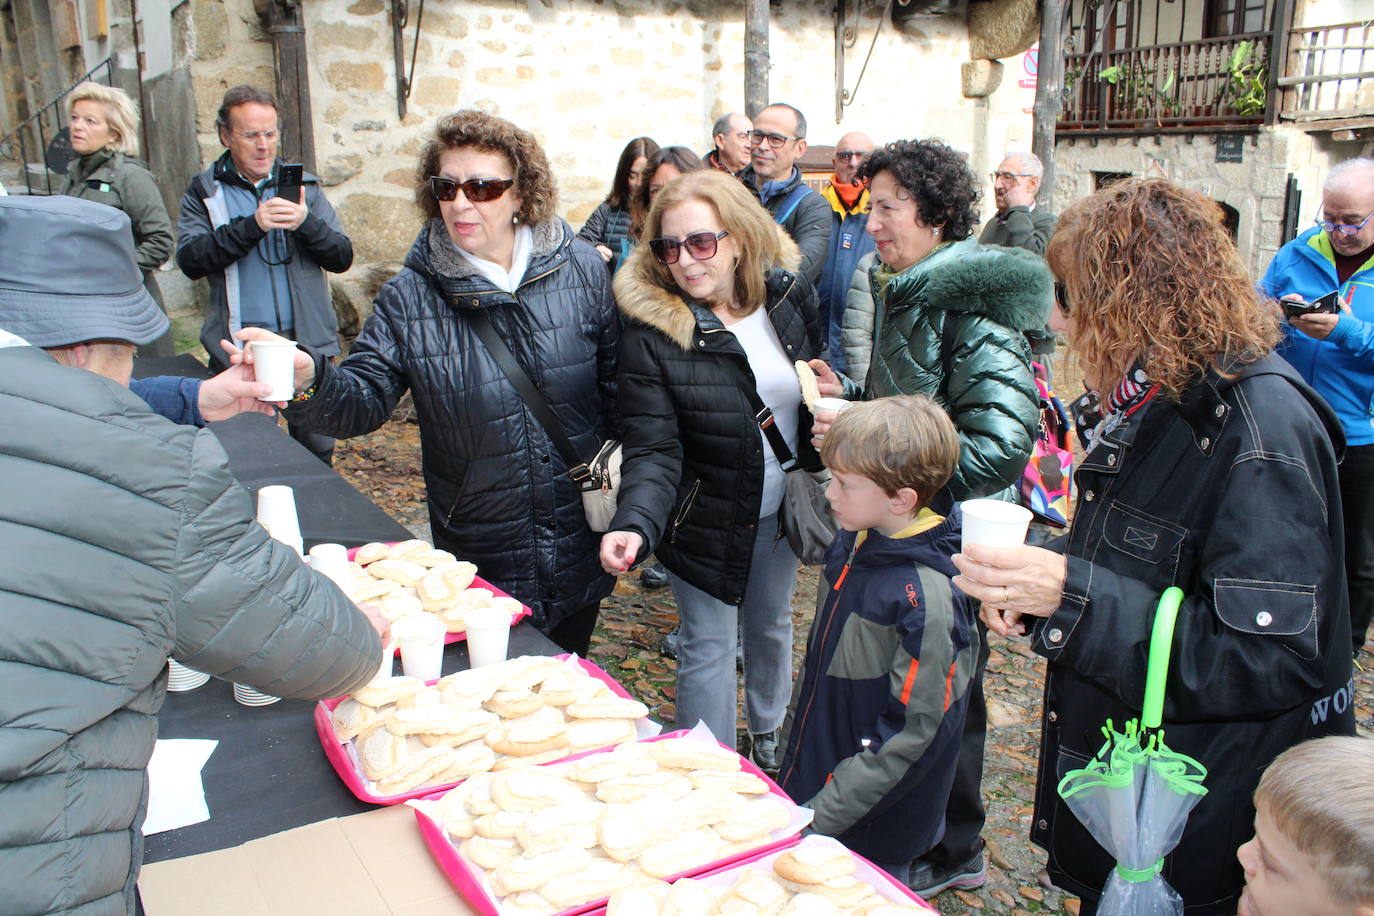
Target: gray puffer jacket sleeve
x,y
856,335
249,610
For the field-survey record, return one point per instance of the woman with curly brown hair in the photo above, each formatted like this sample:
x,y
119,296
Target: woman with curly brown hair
x,y
491,251
1211,467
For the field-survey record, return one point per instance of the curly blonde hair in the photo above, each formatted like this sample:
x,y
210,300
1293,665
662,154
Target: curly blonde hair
x,y
752,228
534,180
1150,272
121,113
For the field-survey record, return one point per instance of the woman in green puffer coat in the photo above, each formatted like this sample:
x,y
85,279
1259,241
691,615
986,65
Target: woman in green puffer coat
x,y
948,322
104,133
949,312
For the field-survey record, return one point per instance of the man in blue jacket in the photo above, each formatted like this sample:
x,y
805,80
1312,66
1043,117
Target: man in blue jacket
x,y
1334,352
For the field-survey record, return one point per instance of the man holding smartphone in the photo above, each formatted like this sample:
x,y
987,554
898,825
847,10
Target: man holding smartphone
x,y
263,235
1324,280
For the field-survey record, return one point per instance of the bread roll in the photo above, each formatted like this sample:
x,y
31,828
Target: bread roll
x,y
432,720
658,784
502,825
527,738
383,691
589,734
637,901
607,708
398,605
402,550
755,892
529,671
402,571
351,718
596,880
511,704
755,819
371,553
617,763
430,696
489,853
415,770
814,861
623,832
432,557
845,891
568,825
740,783
689,898
685,851
460,573
380,752
533,790
689,754
530,870
467,760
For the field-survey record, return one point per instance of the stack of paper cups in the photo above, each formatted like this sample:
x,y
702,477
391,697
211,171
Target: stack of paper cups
x,y
247,696
277,513
181,679
332,560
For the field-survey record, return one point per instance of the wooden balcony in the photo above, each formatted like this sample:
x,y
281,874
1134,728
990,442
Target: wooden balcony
x,y
1329,82
1216,85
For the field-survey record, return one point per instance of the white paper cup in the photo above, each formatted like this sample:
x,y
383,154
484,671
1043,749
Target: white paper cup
x,y
488,632
994,523
332,560
830,406
274,362
422,645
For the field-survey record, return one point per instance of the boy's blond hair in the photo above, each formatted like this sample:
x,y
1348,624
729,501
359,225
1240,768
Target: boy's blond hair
x,y
1320,795
896,442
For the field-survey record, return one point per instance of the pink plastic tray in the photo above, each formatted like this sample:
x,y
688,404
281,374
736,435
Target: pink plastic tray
x,y
469,884
337,754
477,582
868,873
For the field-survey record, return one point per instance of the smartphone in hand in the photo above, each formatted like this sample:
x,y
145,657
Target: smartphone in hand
x,y
289,178
1328,304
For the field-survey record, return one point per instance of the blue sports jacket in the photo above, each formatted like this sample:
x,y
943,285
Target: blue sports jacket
x,y
1341,367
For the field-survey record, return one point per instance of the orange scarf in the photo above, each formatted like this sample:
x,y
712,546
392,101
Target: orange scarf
x,y
848,193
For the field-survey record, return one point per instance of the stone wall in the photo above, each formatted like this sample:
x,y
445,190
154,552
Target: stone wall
x,y
1254,187
585,76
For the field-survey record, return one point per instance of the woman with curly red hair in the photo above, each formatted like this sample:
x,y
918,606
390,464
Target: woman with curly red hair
x,y
1210,466
492,249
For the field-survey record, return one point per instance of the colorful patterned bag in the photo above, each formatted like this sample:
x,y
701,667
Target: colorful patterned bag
x,y
1047,482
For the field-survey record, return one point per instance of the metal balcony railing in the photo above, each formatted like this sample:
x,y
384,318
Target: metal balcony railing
x,y
1219,82
27,146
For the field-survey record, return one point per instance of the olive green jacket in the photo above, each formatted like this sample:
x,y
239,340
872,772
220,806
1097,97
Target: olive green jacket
x,y
125,183
951,327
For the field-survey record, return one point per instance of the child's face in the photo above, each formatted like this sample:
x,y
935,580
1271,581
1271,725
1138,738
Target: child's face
x,y
860,503
1280,879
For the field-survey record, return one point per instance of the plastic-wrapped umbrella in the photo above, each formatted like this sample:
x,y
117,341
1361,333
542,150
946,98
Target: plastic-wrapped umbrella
x,y
1136,794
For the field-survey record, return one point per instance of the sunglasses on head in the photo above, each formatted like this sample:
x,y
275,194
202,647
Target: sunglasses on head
x,y
702,246
477,190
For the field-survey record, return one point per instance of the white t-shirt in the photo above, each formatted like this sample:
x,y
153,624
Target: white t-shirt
x,y
777,386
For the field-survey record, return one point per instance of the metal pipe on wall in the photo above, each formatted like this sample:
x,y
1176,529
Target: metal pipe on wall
x,y
286,26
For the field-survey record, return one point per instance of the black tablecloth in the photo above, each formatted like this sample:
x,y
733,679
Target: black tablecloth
x,y
269,773
330,510
184,365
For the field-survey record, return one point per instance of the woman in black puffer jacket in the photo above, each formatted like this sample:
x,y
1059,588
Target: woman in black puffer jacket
x,y
608,228
715,287
499,494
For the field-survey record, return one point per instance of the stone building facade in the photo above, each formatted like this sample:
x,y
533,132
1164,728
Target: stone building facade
x,y
585,76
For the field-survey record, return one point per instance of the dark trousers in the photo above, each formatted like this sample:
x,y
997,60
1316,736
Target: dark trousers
x,y
574,632
1357,510
964,814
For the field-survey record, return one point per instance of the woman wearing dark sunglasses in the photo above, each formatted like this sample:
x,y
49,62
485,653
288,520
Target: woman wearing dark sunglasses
x,y
499,492
715,304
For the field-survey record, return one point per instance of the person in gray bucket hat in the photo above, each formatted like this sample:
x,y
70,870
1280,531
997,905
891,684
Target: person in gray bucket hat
x,y
124,541
105,301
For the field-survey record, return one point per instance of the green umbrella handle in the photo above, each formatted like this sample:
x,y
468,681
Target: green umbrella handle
x,y
1161,644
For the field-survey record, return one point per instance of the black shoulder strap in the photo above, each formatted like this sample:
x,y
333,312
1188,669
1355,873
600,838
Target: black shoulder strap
x,y
763,414
534,400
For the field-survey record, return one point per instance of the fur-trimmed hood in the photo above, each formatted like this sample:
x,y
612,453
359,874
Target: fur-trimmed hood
x,y
1008,285
640,298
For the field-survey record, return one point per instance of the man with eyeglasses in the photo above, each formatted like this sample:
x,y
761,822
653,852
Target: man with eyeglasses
x,y
730,134
848,199
777,141
1333,350
265,256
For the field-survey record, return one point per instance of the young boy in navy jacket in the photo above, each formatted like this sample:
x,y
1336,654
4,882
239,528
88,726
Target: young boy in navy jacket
x,y
872,734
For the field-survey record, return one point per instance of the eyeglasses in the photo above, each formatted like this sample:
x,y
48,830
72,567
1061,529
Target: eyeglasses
x,y
1061,298
1345,229
756,137
477,190
851,153
702,246
1008,176
252,136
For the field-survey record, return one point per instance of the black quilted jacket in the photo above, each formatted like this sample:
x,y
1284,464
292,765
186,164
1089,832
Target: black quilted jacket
x,y
693,467
499,494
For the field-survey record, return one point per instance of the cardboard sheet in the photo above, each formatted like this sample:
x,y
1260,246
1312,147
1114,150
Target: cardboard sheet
x,y
372,864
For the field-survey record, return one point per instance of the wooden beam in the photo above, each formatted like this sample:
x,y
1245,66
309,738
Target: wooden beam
x,y
755,56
